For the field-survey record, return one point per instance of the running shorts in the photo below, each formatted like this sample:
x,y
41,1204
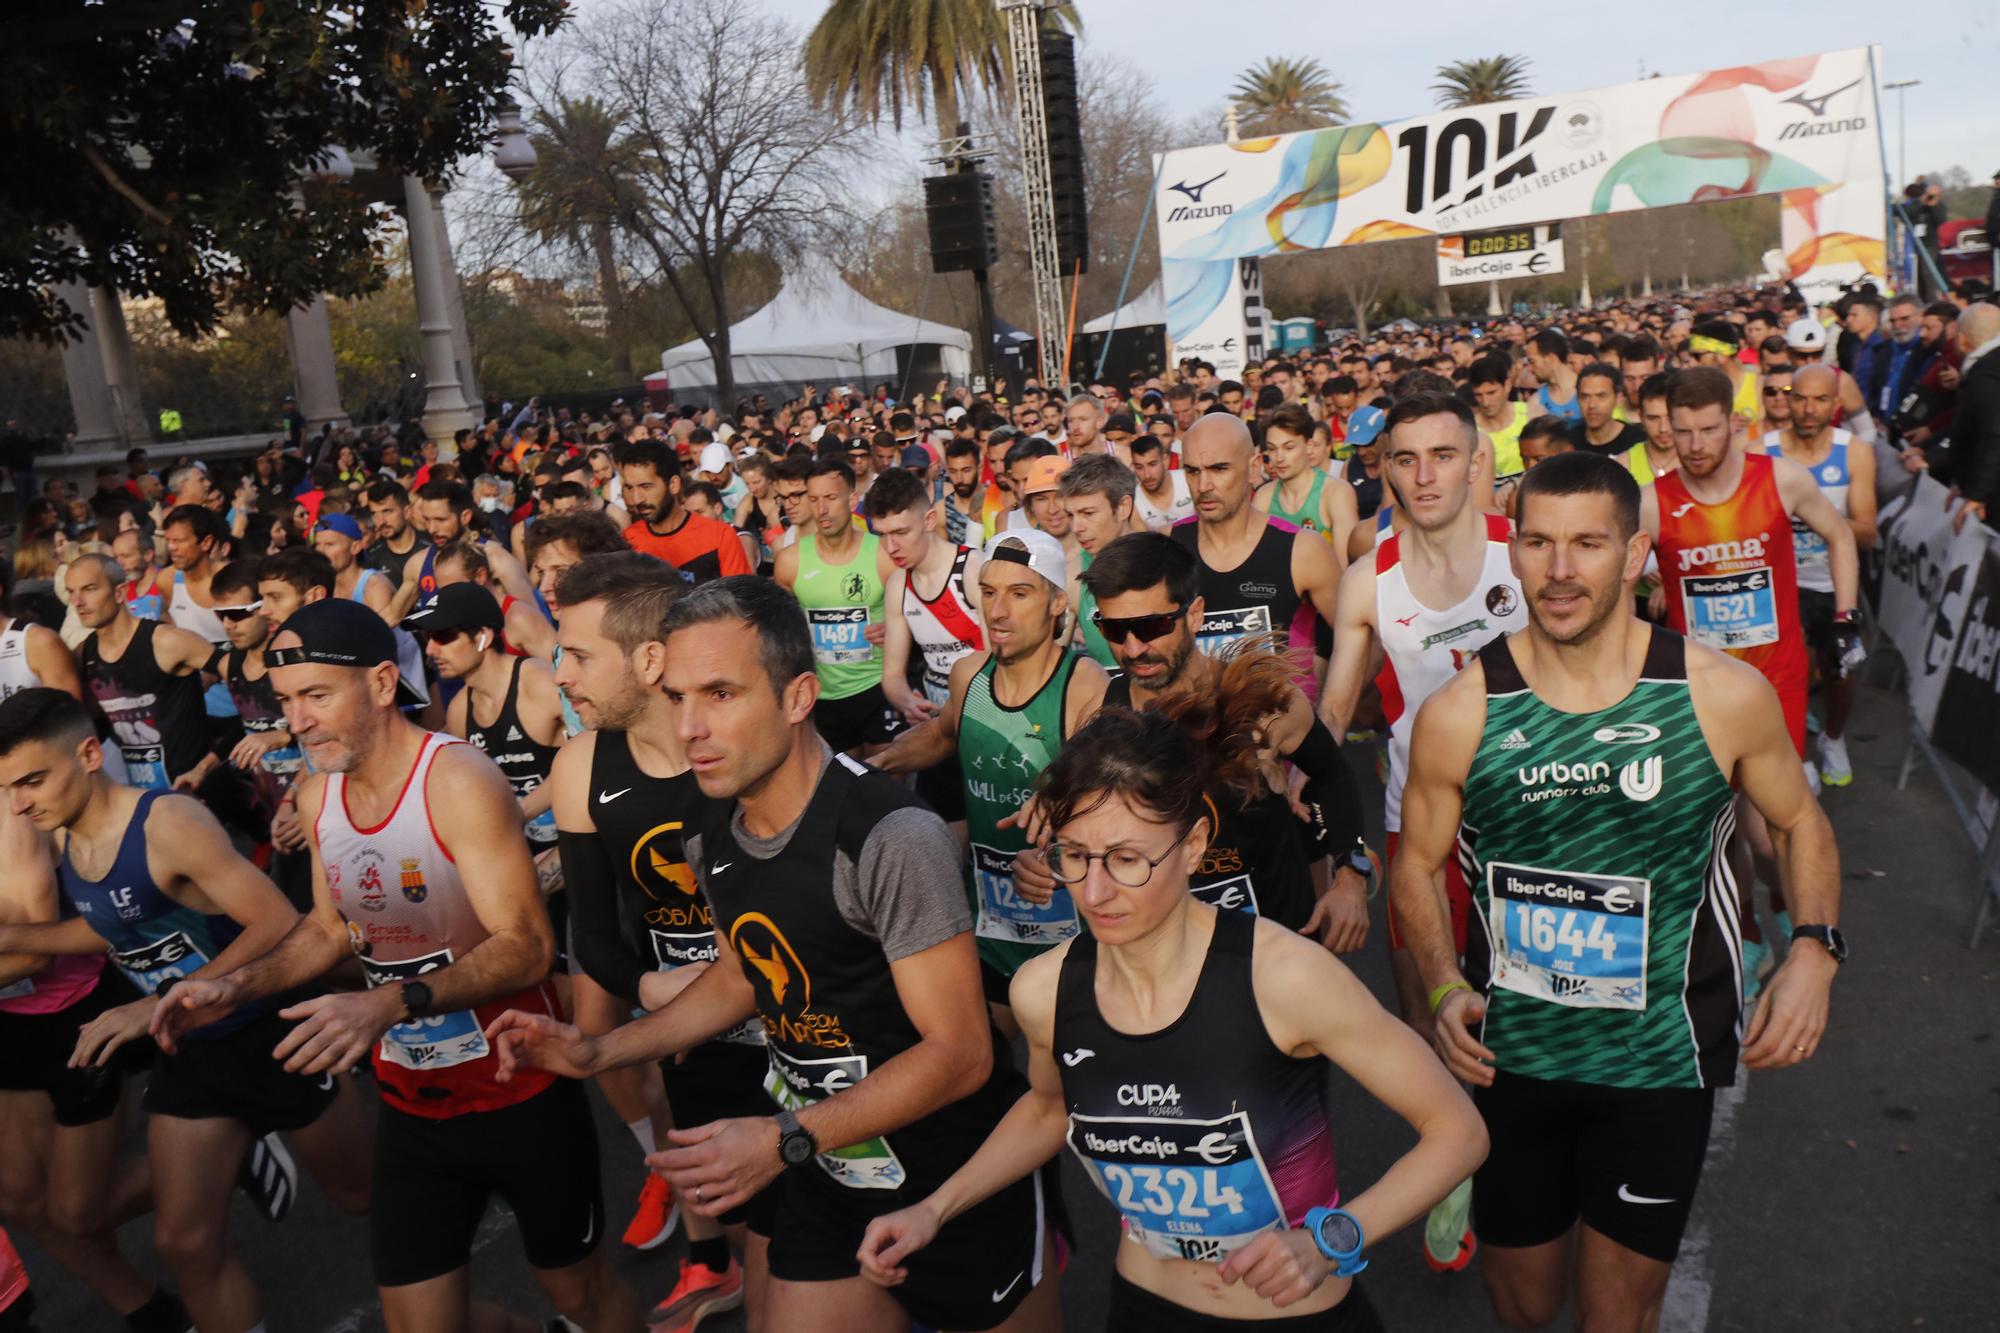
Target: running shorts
x,y
1624,1160
35,1051
867,718
233,1076
724,1080
434,1179
1816,620
980,1268
1136,1310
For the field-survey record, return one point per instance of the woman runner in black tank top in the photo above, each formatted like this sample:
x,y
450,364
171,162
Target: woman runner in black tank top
x,y
1180,1052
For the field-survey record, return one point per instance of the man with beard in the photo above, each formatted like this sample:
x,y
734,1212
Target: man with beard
x,y
964,497
1008,712
395,537
1581,769
1845,475
446,510
700,548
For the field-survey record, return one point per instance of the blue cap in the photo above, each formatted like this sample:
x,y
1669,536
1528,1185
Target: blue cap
x,y
345,525
1364,425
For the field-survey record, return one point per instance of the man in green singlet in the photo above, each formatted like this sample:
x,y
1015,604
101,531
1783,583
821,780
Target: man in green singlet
x,y
1299,493
1010,710
1581,771
1098,491
838,573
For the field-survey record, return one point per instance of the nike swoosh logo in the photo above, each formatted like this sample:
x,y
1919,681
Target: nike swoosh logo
x,y
1682,510
607,797
1078,1056
590,1232
1001,1294
1625,1193
326,1081
718,869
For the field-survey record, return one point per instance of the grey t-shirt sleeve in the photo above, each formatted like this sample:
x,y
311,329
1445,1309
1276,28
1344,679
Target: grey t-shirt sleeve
x,y
909,889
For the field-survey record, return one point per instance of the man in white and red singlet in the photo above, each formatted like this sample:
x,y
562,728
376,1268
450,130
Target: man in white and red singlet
x,y
447,919
1424,601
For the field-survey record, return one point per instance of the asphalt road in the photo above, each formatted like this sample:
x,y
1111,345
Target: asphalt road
x,y
1861,1192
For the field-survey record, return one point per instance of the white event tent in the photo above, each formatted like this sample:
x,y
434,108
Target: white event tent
x,y
1147,308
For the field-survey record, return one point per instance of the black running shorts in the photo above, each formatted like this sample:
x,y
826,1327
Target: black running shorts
x,y
35,1051
1625,1161
982,1265
861,719
232,1076
435,1178
724,1080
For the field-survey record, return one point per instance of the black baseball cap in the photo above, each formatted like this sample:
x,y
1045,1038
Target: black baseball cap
x,y
461,606
338,632
1121,421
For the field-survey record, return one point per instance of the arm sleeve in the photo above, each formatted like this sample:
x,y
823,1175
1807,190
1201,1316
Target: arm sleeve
x,y
910,885
592,885
1332,799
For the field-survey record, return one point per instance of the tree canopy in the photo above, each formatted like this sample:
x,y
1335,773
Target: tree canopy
x,y
177,150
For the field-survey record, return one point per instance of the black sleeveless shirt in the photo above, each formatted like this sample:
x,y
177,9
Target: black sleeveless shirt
x,y
156,717
1256,598
524,760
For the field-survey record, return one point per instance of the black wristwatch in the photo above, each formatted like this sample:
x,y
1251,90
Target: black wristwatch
x,y
796,1144
1358,860
1828,936
416,998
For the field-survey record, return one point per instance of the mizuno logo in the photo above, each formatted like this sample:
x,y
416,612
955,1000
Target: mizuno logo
x,y
1642,779
1077,1056
607,797
1625,1193
1404,621
1193,192
1817,105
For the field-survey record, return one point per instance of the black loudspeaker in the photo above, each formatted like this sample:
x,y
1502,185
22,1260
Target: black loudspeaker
x,y
959,208
1066,172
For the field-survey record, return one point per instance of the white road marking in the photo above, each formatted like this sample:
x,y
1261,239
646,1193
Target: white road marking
x,y
1689,1290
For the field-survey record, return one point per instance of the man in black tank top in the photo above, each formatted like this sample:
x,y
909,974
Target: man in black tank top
x,y
146,679
1256,577
845,929
624,803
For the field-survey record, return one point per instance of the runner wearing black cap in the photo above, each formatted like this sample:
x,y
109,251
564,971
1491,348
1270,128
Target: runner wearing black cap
x,y
446,918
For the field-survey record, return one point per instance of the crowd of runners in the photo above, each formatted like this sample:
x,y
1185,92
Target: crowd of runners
x,y
876,801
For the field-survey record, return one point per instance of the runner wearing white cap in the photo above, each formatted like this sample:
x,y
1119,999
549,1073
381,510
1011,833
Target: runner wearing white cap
x,y
1806,340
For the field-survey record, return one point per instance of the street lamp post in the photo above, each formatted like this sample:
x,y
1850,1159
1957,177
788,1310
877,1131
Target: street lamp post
x,y
1902,129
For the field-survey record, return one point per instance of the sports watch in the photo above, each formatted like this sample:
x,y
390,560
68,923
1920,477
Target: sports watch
x,y
1338,1237
796,1144
1830,937
1358,860
416,998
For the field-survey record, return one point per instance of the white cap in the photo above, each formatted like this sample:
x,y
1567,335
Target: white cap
x,y
815,433
1035,549
954,412
1805,334
715,456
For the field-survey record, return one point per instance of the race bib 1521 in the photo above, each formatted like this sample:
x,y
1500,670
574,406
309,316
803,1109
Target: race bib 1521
x,y
1731,610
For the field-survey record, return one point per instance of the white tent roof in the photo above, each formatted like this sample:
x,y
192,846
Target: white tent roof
x,y
1148,307
817,329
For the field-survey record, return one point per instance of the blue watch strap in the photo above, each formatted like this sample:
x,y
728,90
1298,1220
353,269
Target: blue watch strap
x,y
1346,1263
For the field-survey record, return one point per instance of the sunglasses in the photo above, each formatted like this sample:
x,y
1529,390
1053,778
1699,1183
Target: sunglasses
x,y
232,614
1777,388
444,637
1116,629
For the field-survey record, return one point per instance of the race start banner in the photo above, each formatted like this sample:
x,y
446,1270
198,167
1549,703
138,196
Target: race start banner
x,y
1804,128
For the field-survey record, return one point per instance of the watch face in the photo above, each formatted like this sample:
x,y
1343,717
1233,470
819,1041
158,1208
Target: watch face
x,y
796,1149
1340,1233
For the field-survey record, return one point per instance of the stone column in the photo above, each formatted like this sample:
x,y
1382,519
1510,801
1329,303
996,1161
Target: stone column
x,y
121,368
445,409
83,371
454,296
315,378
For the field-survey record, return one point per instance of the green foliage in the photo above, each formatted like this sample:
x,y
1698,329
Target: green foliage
x,y
862,52
1477,82
1284,95
165,150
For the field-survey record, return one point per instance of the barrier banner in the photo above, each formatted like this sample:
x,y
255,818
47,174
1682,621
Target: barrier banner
x,y
1927,577
1803,127
1968,705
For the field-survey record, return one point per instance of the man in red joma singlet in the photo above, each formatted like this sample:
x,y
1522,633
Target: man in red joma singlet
x,y
448,921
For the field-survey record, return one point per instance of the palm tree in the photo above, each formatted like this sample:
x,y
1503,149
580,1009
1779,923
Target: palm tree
x,y
573,197
1283,95
1477,82
872,55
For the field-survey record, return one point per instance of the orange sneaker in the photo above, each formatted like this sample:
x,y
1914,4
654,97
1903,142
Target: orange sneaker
x,y
700,1293
657,1215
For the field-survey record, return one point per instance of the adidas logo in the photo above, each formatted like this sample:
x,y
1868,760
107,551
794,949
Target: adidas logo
x,y
513,733
1514,740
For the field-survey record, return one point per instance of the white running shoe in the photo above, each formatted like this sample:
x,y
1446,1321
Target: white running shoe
x,y
1812,776
1834,768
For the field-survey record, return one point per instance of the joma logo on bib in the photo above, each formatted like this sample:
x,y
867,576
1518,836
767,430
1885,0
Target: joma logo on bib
x,y
1716,553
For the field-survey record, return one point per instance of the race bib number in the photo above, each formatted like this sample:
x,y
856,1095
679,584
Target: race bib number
x,y
436,1042
1568,938
796,1084
840,635
146,766
1185,1189
1731,610
673,949
937,689
542,828
1005,915
156,966
1236,894
1808,547
1219,629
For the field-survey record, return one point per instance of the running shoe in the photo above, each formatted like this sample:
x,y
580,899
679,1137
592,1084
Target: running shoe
x,y
269,1176
1834,768
700,1293
657,1215
1448,1240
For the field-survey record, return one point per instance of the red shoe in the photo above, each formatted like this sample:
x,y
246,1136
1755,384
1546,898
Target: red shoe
x,y
700,1293
657,1216
1468,1246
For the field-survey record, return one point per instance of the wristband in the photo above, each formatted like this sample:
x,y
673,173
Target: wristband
x,y
1437,995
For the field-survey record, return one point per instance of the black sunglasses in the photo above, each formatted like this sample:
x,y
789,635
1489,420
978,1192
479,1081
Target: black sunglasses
x,y
444,636
233,614
1115,629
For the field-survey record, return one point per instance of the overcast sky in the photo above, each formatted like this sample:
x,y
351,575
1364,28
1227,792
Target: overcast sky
x,y
1385,54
